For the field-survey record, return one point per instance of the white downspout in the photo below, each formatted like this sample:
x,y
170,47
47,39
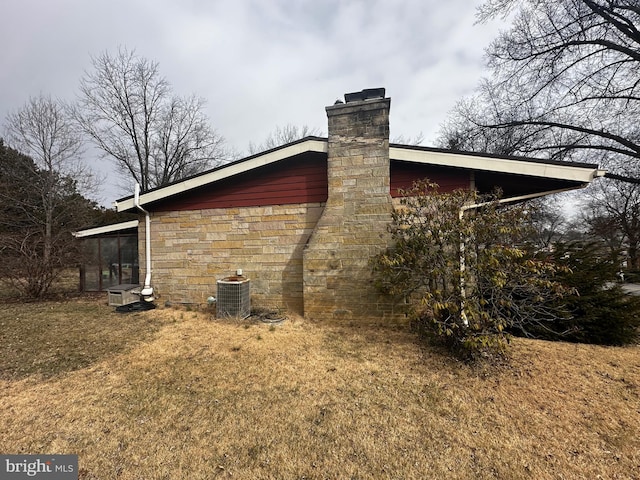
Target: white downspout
x,y
463,293
147,289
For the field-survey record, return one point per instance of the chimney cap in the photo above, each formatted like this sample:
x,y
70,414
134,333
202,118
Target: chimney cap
x,y
366,94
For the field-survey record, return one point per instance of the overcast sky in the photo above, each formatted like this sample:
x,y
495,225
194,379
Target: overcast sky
x,y
258,63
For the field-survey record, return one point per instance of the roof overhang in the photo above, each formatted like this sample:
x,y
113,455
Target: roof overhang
x,y
580,173
311,144
116,227
577,174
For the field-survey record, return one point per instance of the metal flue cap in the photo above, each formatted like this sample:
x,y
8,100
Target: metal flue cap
x,y
366,94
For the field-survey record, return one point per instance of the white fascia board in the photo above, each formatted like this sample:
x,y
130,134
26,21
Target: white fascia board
x,y
235,168
576,173
90,232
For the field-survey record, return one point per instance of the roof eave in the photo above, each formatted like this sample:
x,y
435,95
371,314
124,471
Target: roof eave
x,y
115,227
314,144
579,173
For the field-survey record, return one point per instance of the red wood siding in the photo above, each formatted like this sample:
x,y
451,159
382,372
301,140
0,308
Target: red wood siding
x,y
300,179
403,174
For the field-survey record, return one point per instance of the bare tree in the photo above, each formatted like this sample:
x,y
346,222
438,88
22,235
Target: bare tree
x,y
42,130
565,79
404,140
186,143
464,130
283,135
549,222
39,194
613,215
129,111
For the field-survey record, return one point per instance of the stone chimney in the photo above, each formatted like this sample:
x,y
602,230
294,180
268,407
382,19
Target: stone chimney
x,y
353,226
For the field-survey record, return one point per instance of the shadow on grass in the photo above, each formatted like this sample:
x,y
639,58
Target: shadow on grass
x,y
51,338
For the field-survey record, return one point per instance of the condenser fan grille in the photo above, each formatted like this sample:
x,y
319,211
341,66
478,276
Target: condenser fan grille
x,y
234,299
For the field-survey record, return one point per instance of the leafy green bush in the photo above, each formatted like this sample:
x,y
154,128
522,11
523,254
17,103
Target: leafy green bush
x,y
456,260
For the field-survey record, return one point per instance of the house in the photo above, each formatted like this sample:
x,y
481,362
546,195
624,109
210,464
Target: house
x,y
303,220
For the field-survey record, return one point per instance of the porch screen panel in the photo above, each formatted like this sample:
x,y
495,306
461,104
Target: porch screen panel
x,y
110,262
91,265
129,259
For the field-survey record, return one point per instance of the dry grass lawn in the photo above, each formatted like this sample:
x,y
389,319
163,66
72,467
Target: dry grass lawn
x,y
170,394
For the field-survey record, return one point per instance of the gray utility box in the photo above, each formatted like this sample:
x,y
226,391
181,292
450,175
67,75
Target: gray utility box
x,y
124,294
233,298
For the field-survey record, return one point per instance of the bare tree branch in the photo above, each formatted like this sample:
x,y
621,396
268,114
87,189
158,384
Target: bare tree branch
x,y
283,135
40,202
564,82
127,109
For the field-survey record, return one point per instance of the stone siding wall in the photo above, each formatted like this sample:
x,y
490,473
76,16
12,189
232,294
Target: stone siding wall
x,y
313,258
191,250
337,275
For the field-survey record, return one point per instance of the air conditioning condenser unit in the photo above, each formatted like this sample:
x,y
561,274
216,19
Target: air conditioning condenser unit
x,y
233,298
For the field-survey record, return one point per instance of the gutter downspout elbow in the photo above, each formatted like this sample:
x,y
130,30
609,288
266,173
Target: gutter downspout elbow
x,y
147,289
